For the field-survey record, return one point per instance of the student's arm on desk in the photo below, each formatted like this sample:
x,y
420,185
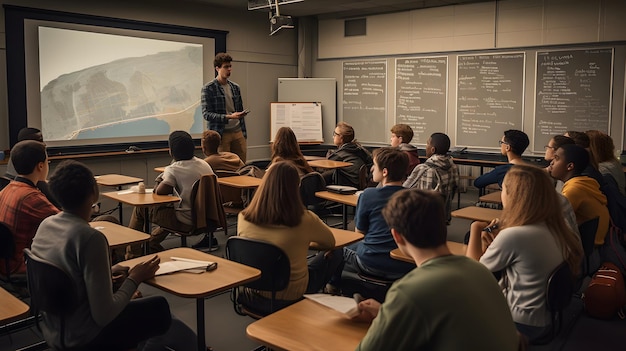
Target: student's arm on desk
x,y
324,238
477,243
368,310
164,189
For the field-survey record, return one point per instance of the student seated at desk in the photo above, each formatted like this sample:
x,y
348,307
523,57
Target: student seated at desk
x,y
219,161
285,148
178,178
448,302
530,241
513,144
371,255
401,136
30,134
276,215
556,142
602,148
582,191
348,150
438,173
23,205
103,319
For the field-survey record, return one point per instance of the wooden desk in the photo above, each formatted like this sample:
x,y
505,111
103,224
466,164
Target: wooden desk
x,y
476,213
495,197
117,180
119,235
312,158
228,275
11,308
455,248
241,181
307,325
344,200
328,164
142,200
342,238
159,169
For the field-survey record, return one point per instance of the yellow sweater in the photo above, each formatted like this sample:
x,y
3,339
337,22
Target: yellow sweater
x,y
294,241
588,202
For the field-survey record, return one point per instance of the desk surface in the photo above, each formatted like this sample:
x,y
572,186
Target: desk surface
x,y
477,213
495,197
342,238
328,164
116,180
455,248
228,274
11,308
119,235
307,325
349,200
141,200
312,158
240,181
159,169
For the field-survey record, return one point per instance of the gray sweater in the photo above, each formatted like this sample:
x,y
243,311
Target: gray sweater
x,y
83,252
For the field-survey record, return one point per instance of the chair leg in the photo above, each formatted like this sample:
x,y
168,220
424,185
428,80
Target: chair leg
x,y
183,240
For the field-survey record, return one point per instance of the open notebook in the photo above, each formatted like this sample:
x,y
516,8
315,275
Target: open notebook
x,y
184,264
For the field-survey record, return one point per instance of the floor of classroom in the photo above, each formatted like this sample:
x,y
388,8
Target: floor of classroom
x,y
226,331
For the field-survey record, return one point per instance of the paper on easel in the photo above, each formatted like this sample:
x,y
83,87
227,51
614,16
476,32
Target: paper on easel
x,y
345,305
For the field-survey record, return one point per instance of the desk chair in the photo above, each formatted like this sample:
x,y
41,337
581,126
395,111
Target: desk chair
x,y
7,249
559,292
367,285
311,183
232,197
207,212
587,237
4,181
51,290
275,273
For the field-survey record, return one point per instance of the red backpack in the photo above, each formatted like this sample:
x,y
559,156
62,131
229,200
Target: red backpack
x,y
606,294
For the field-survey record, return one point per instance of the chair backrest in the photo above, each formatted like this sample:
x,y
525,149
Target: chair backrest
x,y
207,204
4,181
363,177
230,195
268,258
51,290
7,248
588,234
310,183
560,288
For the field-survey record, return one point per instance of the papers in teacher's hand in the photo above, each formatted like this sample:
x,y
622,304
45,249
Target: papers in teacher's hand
x,y
345,305
183,264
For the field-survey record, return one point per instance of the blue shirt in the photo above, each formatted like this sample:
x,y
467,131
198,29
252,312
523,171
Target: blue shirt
x,y
373,250
493,177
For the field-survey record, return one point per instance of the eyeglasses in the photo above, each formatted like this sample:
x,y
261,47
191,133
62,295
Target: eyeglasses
x,y
502,142
550,147
335,133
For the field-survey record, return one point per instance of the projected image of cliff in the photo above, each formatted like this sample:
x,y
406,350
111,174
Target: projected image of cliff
x,y
96,86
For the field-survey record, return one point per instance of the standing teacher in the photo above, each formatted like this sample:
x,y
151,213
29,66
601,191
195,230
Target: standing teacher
x,y
222,107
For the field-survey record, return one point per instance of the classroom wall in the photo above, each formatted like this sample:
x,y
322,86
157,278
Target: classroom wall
x,y
505,25
258,58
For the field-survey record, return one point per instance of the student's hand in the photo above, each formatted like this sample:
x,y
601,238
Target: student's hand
x,y
145,270
368,310
119,269
486,239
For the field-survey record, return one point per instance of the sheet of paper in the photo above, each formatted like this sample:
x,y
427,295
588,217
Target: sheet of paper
x,y
175,266
342,304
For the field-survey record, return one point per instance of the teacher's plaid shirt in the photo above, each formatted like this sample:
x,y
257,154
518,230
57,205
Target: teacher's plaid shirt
x,y
214,106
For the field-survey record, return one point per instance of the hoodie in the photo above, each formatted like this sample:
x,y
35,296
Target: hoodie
x,y
357,155
588,202
414,158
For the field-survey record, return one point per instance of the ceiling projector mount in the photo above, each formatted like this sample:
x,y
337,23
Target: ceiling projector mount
x,y
278,22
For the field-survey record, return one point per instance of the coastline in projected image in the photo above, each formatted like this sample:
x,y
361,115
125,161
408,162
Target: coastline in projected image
x,y
152,93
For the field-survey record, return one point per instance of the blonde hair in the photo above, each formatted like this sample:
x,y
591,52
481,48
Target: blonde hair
x,y
531,199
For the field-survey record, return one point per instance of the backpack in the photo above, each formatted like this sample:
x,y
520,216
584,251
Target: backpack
x,y
606,294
